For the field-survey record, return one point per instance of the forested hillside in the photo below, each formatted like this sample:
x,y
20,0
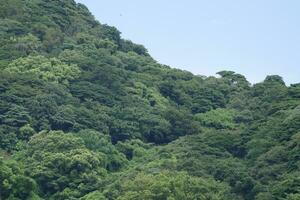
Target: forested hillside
x,y
87,115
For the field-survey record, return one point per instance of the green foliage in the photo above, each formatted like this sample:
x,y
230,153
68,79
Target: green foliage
x,y
85,114
166,185
289,188
94,196
132,148
15,116
219,119
47,69
11,9
26,132
61,165
14,184
99,142
127,46
28,44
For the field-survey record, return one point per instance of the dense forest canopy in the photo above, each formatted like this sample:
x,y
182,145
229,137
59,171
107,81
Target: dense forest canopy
x,y
85,114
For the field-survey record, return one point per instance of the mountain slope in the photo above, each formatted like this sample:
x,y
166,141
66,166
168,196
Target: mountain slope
x,y
85,114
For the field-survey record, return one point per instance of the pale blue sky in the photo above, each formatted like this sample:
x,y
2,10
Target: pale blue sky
x,y
251,37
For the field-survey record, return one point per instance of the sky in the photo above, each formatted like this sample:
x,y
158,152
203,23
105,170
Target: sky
x,y
255,38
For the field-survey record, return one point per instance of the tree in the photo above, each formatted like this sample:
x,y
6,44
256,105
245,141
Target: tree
x,y
52,69
182,123
25,132
235,79
219,119
288,188
98,142
52,39
14,184
61,165
15,116
11,9
177,186
28,44
94,196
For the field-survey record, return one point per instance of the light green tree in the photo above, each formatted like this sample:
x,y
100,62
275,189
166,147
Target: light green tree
x,y
48,69
168,186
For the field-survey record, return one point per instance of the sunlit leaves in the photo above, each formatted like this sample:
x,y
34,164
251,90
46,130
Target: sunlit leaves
x,y
46,69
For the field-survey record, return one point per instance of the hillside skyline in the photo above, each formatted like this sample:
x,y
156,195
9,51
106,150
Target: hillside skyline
x,y
254,38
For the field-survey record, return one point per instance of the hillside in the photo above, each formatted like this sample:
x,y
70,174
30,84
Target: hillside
x,y
85,114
